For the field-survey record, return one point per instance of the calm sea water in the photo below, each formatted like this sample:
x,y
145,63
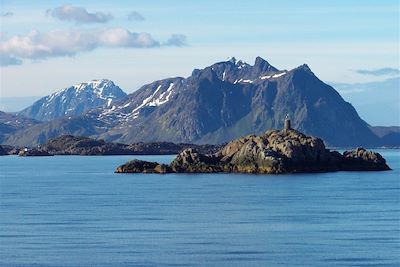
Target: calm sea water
x,y
74,211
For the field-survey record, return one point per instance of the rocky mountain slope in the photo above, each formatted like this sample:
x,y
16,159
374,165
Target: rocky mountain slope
x,y
286,151
224,101
74,100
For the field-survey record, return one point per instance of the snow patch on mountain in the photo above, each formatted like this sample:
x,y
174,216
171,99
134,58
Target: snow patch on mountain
x,y
163,98
276,75
154,100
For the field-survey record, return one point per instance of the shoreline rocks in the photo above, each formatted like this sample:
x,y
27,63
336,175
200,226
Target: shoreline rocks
x,y
361,159
34,153
135,166
6,150
274,152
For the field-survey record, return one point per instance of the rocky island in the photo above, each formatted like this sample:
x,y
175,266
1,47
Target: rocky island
x,y
275,152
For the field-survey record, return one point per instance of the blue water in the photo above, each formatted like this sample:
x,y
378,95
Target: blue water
x,y
74,211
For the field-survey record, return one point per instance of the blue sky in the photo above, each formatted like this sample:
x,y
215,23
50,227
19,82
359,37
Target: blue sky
x,y
335,38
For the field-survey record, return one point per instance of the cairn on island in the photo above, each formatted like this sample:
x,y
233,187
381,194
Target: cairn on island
x,y
287,126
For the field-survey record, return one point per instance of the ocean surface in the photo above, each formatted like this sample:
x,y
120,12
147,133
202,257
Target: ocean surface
x,y
74,211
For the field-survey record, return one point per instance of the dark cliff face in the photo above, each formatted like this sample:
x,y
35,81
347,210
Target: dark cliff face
x,y
74,100
219,103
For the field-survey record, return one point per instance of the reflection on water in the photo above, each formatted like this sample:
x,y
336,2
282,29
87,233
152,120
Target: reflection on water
x,y
74,211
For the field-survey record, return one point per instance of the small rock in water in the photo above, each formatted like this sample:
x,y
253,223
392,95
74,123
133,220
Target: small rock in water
x,y
141,166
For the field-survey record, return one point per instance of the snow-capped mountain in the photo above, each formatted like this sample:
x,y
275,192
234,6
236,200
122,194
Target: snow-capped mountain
x,y
146,99
75,100
216,104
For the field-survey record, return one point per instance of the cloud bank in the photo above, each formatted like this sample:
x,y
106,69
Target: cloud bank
x,y
135,16
379,72
57,43
78,14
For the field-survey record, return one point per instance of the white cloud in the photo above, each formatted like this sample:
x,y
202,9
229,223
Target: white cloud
x,y
78,14
56,43
135,16
379,72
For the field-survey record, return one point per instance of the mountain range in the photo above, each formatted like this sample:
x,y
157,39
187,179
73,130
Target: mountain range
x,y
213,105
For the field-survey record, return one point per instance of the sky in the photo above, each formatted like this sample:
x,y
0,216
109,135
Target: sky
x,y
49,45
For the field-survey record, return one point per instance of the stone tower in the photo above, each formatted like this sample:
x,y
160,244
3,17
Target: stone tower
x,y
287,126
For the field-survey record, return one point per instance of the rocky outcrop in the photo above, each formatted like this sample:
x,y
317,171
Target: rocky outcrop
x,y
190,160
34,153
136,166
273,152
360,159
8,150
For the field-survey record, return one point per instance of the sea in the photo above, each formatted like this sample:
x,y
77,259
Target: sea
x,y
75,211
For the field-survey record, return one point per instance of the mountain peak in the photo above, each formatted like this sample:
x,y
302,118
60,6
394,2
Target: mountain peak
x,y
232,60
260,64
238,71
75,100
263,65
98,83
241,64
304,68
259,61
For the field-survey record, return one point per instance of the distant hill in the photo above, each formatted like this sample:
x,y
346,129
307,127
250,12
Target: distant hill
x,y
10,123
79,145
216,104
74,100
377,102
389,135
